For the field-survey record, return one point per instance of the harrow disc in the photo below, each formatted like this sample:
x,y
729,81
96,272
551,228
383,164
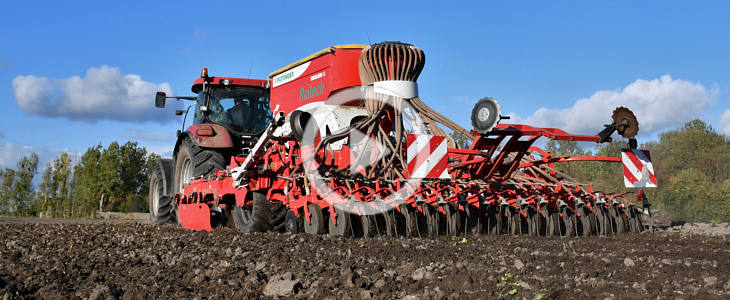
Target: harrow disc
x,y
453,219
626,123
568,219
602,221
515,222
316,220
587,222
533,221
432,220
485,115
553,224
341,225
369,228
411,223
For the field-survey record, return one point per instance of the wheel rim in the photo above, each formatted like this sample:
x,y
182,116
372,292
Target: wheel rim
x,y
187,174
155,198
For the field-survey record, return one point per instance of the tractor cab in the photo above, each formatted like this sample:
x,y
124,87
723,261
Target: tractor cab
x,y
227,111
240,105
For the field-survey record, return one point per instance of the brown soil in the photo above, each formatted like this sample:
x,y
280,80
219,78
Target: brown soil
x,y
129,260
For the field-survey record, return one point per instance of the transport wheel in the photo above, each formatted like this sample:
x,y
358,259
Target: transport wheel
x,y
341,225
315,225
291,222
161,210
193,161
256,217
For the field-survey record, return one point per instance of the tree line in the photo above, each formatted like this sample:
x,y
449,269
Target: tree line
x,y
112,178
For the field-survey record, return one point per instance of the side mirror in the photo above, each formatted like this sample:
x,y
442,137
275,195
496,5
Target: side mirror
x,y
160,99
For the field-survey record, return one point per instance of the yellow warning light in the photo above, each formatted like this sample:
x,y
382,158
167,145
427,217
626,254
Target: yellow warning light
x,y
204,72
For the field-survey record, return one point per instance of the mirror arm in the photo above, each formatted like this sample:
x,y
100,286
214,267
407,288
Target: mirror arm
x,y
186,116
183,97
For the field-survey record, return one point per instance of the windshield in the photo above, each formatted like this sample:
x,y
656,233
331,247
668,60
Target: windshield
x,y
242,110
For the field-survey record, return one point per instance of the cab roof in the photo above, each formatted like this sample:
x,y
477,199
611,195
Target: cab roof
x,y
198,83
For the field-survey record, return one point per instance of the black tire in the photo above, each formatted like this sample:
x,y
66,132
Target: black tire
x,y
160,205
292,223
254,218
193,161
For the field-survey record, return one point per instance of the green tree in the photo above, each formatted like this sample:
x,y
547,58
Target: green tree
x,y
88,182
23,190
118,173
7,191
45,193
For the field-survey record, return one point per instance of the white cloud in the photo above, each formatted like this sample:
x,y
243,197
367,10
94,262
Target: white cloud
x,y
103,94
725,123
658,104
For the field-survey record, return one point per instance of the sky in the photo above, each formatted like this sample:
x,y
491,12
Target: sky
x,y
75,73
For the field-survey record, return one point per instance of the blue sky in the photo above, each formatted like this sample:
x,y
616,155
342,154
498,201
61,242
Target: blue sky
x,y
559,64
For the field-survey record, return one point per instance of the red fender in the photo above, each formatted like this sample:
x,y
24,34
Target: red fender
x,y
210,135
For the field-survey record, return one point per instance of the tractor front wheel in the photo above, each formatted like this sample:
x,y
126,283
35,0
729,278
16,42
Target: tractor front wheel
x,y
193,161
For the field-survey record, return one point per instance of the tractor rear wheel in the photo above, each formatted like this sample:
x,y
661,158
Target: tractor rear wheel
x,y
193,161
160,205
256,217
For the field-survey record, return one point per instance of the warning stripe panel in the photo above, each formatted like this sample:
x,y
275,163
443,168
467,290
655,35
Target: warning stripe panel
x,y
427,156
638,170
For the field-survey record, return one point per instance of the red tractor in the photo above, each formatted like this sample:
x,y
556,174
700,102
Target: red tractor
x,y
229,115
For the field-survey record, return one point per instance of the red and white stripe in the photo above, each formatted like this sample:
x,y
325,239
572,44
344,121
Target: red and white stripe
x,y
638,170
427,156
